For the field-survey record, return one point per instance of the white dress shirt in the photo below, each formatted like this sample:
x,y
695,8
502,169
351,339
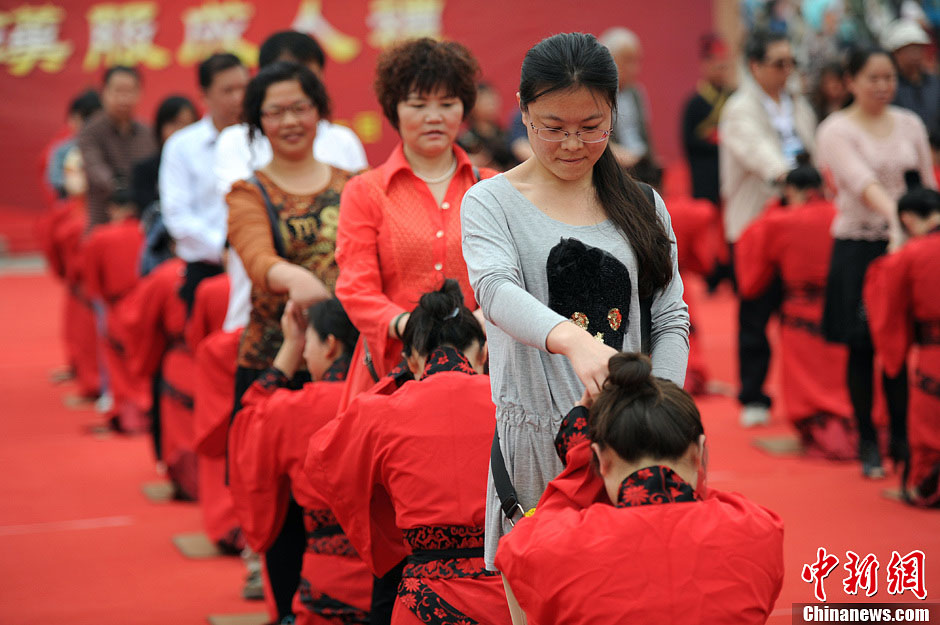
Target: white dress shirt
x,y
193,212
236,160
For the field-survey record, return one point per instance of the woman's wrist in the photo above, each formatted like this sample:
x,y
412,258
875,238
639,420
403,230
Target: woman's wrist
x,y
288,357
563,338
395,328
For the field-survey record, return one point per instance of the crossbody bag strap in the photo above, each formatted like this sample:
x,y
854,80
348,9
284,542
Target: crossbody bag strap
x,y
508,499
273,218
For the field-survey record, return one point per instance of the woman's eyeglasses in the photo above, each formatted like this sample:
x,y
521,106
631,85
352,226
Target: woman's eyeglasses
x,y
277,113
557,135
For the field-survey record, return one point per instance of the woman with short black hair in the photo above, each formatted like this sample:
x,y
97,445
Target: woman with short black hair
x,y
399,229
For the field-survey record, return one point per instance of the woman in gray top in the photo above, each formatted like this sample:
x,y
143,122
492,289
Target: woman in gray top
x,y
565,236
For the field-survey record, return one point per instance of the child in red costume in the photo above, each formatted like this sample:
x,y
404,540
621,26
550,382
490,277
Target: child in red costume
x,y
110,257
793,241
636,540
268,441
410,469
904,317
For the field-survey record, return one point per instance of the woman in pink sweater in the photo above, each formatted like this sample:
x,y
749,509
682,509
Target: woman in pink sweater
x,y
865,150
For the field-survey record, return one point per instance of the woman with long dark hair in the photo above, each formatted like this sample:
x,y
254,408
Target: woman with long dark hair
x,y
570,259
866,148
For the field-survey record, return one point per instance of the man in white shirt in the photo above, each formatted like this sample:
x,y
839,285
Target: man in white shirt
x,y
236,160
762,128
193,212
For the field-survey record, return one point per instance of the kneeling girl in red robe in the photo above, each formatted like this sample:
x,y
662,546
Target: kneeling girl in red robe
x,y
904,315
410,468
267,444
664,552
794,242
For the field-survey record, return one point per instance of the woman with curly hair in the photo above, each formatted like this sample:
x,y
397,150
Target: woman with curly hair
x,y
399,227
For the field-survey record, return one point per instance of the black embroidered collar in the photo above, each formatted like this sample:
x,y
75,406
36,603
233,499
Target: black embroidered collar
x,y
447,358
654,485
337,371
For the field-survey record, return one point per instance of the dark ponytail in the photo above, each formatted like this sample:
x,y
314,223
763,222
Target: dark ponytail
x,y
441,319
640,416
328,317
572,60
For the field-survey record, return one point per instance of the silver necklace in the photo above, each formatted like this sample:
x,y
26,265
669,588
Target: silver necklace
x,y
441,178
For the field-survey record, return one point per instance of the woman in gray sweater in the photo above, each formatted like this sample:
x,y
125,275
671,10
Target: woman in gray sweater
x,y
561,252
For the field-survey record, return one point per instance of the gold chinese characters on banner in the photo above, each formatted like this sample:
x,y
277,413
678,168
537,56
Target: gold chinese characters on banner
x,y
29,38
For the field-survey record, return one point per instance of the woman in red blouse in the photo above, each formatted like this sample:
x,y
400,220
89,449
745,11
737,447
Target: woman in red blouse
x,y
399,227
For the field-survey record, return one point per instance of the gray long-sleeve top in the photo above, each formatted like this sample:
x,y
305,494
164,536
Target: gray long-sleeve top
x,y
506,242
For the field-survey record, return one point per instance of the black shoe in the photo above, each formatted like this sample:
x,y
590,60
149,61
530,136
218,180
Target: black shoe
x,y
871,460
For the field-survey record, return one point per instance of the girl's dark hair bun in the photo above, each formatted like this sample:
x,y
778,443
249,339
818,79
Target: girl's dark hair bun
x,y
631,373
441,319
440,304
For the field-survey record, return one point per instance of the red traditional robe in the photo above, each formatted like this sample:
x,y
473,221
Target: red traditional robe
x,y
904,313
410,468
111,254
212,406
61,234
268,441
214,396
697,226
209,307
662,554
796,244
155,317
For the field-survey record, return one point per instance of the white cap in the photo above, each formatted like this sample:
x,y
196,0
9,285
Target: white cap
x,y
902,33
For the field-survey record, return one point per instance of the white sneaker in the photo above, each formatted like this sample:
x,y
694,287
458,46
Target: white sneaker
x,y
753,415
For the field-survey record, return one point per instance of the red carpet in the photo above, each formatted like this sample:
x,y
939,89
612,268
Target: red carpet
x,y
80,544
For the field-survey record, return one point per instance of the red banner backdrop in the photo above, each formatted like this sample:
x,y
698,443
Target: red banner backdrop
x,y
52,50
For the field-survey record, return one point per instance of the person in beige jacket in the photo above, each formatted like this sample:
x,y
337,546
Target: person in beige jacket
x,y
762,130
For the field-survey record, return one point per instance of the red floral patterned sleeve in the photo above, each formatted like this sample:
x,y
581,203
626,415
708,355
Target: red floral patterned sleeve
x,y
573,432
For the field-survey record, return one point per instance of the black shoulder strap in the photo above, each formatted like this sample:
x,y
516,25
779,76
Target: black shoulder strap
x,y
476,174
273,218
508,499
646,303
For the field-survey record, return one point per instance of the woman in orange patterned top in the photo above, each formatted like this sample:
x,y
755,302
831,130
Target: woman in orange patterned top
x,y
282,223
399,231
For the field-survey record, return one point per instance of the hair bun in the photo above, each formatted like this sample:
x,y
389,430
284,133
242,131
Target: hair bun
x,y
631,372
912,179
440,304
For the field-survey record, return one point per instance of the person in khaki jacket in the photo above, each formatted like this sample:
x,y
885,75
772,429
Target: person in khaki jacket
x,y
762,129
